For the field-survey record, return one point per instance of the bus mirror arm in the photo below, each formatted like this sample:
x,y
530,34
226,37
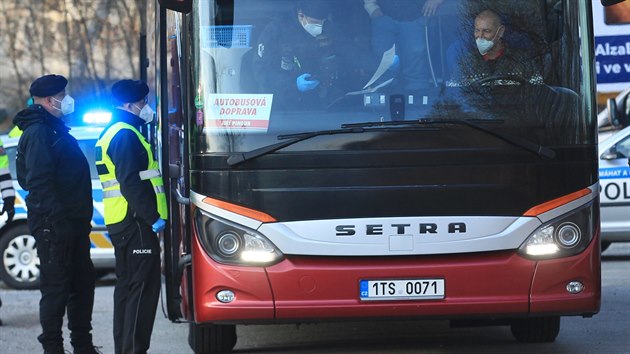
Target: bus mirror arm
x,y
180,198
184,261
174,171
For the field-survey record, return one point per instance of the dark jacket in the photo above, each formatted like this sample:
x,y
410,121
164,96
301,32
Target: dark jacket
x,y
285,51
130,157
471,66
53,169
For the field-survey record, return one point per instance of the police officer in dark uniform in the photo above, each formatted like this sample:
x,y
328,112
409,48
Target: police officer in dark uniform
x,y
135,210
305,60
51,167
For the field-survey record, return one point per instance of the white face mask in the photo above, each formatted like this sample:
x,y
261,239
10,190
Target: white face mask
x,y
484,45
67,105
313,29
146,113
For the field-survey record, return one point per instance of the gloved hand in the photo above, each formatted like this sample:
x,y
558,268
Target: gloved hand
x,y
395,64
8,207
304,84
159,225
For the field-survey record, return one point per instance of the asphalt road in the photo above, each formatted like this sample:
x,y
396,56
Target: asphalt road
x,y
607,332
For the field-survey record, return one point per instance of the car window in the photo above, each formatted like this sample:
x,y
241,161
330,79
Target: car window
x,y
623,147
11,153
87,146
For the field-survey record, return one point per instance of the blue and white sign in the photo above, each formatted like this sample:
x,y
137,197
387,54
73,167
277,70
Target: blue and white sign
x,y
612,50
615,172
612,54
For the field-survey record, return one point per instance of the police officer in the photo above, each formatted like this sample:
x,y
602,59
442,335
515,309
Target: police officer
x,y
6,189
53,170
135,209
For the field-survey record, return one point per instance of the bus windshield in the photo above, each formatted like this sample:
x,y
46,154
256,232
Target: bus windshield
x,y
265,69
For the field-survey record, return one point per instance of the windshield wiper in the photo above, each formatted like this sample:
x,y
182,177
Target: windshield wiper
x,y
537,149
237,159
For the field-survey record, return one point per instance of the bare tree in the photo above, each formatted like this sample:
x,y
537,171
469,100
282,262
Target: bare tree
x,y
92,42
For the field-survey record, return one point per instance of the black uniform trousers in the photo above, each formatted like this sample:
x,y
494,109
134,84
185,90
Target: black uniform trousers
x,y
138,286
67,280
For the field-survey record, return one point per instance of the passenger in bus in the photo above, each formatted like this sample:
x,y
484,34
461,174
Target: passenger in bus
x,y
492,61
305,60
404,24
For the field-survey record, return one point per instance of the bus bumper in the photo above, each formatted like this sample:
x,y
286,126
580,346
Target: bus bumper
x,y
481,285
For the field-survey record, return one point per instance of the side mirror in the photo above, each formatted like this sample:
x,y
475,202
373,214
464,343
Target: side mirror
x,y
611,154
613,114
183,6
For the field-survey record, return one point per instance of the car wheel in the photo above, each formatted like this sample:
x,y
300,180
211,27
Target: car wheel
x,y
20,264
605,245
211,339
536,330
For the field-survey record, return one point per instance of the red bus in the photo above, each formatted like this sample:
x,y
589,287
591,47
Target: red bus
x,y
319,171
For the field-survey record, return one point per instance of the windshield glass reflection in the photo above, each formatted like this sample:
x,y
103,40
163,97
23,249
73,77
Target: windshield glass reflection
x,y
267,68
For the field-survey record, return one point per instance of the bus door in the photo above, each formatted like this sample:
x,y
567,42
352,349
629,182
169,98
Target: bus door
x,y
165,43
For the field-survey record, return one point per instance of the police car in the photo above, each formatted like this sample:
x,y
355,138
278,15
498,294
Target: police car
x,y
614,176
20,265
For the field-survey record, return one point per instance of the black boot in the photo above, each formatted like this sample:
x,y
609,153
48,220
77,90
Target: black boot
x,y
54,350
88,350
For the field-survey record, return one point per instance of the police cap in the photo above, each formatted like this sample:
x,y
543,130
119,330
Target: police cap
x,y
48,85
127,91
315,9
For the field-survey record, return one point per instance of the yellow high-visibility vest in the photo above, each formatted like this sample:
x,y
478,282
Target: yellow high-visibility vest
x,y
114,202
15,132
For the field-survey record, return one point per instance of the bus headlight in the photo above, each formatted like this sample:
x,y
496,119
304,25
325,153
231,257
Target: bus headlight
x,y
565,236
569,235
230,243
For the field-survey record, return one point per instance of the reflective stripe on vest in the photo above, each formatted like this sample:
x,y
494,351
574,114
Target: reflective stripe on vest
x,y
114,202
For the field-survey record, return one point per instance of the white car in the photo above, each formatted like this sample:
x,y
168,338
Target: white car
x,y
20,265
614,177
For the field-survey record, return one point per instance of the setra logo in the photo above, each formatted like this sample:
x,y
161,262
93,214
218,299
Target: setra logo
x,y
400,229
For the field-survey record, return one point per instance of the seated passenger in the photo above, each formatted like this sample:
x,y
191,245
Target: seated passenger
x,y
305,61
493,57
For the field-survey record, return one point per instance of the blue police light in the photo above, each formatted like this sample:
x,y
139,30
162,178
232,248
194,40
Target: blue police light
x,y
97,117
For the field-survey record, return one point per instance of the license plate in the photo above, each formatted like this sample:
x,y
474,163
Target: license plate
x,y
405,289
